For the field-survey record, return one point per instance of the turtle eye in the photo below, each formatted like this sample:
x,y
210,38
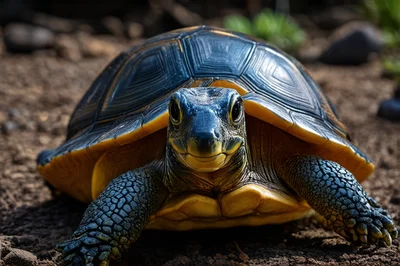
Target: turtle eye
x,y
237,110
175,112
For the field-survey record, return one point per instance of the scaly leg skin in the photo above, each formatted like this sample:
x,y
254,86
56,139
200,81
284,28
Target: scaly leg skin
x,y
116,218
334,193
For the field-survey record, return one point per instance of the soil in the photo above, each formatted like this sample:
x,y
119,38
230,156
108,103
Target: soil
x,y
38,93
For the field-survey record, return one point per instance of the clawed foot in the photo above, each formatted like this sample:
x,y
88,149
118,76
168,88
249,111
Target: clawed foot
x,y
90,248
115,220
366,223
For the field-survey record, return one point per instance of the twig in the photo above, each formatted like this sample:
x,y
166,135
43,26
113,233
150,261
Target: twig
x,y
242,255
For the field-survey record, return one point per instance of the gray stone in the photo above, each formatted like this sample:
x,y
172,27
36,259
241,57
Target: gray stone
x,y
20,257
25,38
8,127
352,44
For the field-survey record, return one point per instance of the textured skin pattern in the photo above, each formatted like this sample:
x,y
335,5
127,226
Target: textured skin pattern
x,y
115,219
135,88
335,194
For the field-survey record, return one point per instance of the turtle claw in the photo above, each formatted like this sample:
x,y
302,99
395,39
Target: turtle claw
x,y
394,233
85,250
363,239
375,232
104,263
386,237
369,224
362,229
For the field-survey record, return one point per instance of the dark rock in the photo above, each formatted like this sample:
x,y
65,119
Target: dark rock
x,y
24,38
352,44
8,127
20,257
390,109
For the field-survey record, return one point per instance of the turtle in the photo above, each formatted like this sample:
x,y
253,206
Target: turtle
x,y
203,128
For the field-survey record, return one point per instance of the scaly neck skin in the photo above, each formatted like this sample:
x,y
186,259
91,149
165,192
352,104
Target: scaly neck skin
x,y
179,178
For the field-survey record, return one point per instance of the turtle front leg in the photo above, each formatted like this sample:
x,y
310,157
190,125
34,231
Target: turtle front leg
x,y
334,193
116,218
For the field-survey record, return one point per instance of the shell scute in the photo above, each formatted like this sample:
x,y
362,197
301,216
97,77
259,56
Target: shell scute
x,y
207,54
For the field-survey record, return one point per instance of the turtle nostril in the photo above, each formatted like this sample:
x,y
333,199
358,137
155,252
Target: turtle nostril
x,y
205,143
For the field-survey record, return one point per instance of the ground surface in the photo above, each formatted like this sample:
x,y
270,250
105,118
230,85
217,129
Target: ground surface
x,y
37,95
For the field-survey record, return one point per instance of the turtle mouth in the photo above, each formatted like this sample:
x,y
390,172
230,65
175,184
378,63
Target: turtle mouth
x,y
204,164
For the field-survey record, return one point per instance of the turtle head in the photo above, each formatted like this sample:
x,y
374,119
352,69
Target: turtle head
x,y
206,127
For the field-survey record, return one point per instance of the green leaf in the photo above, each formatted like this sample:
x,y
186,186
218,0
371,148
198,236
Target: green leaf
x,y
391,39
238,23
278,29
392,66
275,28
385,13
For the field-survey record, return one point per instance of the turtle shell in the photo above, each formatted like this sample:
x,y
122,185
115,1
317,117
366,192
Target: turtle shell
x,y
128,102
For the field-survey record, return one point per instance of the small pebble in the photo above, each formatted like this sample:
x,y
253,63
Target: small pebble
x,y
390,110
13,113
25,38
20,257
94,47
114,25
8,127
68,47
134,30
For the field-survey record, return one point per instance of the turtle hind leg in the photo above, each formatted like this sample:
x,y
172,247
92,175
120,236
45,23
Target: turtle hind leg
x,y
335,194
116,218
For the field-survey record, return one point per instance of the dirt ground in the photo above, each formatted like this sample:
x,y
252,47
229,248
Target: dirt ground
x,y
38,93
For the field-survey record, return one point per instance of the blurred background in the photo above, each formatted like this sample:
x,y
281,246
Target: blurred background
x,y
52,50
340,32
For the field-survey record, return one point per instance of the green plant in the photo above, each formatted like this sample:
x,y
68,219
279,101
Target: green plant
x,y
275,28
385,13
392,67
